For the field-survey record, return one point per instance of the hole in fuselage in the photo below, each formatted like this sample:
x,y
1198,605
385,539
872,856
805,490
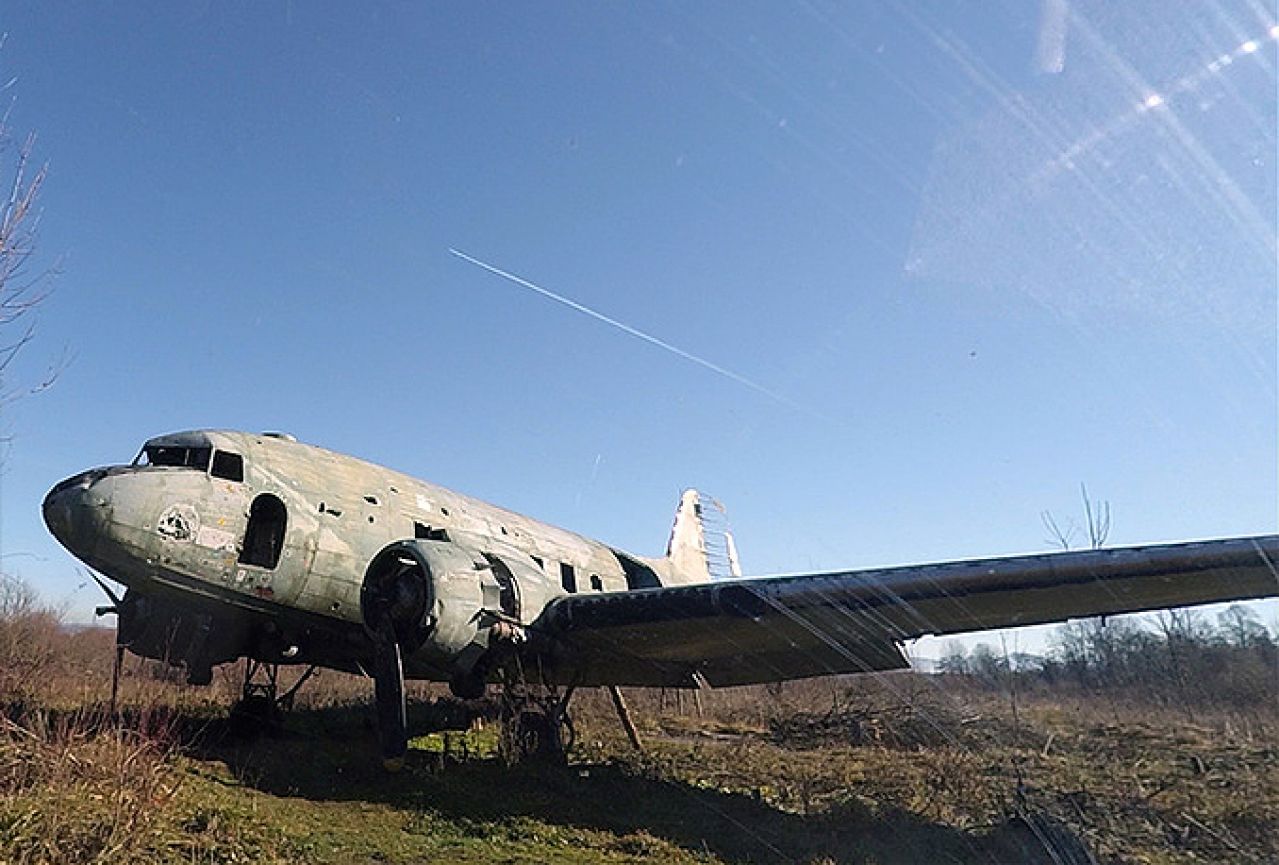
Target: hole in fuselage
x,y
423,532
264,537
397,585
509,597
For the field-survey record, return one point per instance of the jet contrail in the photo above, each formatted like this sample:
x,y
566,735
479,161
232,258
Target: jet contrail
x,y
639,334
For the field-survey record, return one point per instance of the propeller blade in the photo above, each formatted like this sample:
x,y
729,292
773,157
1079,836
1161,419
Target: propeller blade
x,y
388,693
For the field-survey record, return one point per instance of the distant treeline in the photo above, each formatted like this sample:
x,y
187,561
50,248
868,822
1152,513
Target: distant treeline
x,y
1176,657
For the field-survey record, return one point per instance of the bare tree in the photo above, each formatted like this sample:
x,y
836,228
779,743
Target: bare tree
x,y
987,664
954,659
1096,524
1058,536
1242,627
17,598
22,287
28,647
1097,519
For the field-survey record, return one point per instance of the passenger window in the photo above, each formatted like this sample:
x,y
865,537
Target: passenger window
x,y
228,466
264,538
568,577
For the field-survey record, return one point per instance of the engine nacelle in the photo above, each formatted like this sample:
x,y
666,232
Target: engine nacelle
x,y
452,604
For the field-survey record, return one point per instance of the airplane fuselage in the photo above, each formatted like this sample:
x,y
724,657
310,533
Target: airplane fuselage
x,y
259,546
239,545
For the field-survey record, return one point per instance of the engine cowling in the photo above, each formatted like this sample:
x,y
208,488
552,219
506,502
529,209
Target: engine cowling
x,y
453,606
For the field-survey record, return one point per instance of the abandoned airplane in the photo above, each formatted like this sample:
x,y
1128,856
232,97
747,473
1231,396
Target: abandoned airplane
x,y
235,545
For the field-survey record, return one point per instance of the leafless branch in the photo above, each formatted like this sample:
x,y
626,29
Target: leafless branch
x,y
21,293
1096,522
1098,518
1057,537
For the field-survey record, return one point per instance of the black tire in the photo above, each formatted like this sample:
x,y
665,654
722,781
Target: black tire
x,y
467,686
252,716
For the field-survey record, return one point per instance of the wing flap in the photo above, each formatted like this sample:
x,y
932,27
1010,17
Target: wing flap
x,y
765,629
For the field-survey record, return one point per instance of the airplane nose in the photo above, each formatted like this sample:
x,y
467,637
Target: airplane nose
x,y
74,510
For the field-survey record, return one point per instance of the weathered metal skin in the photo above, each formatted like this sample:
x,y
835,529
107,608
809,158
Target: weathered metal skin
x,y
235,544
176,536
462,603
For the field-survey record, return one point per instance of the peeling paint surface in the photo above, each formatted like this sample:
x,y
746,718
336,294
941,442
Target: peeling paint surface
x,y
215,538
178,523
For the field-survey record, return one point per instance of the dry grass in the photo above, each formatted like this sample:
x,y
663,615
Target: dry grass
x,y
77,790
1134,783
892,769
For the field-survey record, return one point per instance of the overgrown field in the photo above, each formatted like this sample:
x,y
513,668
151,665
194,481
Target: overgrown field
x,y
894,769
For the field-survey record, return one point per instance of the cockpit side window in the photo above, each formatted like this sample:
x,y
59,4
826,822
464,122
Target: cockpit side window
x,y
228,466
175,456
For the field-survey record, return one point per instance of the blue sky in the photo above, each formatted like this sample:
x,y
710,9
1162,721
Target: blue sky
x,y
984,253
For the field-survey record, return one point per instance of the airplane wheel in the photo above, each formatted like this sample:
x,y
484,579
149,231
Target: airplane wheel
x,y
253,715
534,735
467,687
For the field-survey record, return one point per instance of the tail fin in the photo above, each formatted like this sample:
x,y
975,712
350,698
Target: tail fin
x,y
701,547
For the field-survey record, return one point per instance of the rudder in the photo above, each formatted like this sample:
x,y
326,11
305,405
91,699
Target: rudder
x,y
701,546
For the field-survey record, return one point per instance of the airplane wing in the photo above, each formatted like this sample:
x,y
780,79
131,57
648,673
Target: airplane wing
x,y
765,629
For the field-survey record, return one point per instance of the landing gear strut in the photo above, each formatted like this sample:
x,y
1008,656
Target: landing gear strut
x,y
536,726
261,702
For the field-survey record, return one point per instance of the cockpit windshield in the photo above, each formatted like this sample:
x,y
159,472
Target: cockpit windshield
x,y
175,455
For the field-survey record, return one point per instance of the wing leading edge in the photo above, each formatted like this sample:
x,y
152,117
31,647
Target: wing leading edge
x,y
765,629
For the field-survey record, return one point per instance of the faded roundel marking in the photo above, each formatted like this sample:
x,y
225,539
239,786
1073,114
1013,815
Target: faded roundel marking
x,y
178,523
